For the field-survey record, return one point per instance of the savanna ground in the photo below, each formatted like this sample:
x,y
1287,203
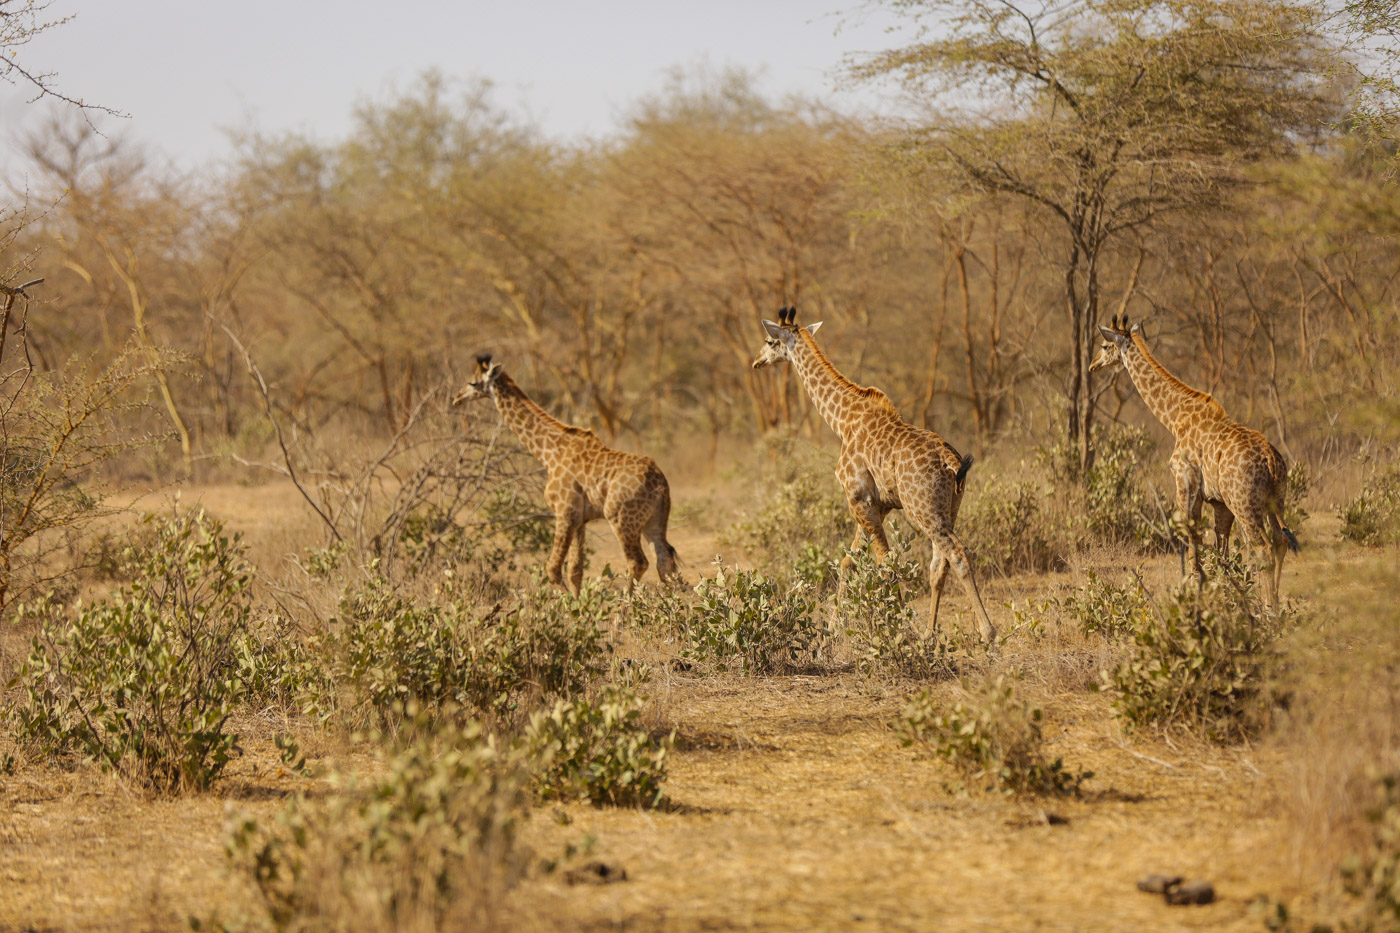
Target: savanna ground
x,y
789,802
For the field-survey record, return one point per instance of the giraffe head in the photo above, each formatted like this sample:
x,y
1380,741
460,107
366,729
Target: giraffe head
x,y
1117,337
782,337
483,383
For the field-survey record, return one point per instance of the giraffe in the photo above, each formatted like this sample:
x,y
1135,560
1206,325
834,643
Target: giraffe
x,y
885,462
1216,459
586,481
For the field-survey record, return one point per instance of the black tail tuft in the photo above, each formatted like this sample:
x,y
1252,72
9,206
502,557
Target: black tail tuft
x,y
961,476
1292,540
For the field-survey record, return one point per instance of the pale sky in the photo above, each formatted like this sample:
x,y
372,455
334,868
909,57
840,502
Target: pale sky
x,y
188,70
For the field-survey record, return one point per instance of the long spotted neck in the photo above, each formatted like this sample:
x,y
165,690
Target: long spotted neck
x,y
836,397
537,429
1168,397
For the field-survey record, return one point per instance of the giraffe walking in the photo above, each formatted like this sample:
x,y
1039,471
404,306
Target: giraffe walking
x,y
1216,459
885,463
586,481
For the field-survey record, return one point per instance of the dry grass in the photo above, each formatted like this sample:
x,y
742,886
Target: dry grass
x,y
793,807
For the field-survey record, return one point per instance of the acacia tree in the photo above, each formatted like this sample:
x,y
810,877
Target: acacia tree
x,y
1106,115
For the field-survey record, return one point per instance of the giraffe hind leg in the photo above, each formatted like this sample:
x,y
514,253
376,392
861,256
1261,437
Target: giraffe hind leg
x,y
655,532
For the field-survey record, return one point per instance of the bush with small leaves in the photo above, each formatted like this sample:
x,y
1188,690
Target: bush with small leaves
x,y
1374,876
392,649
430,844
145,681
1101,607
1012,530
802,511
745,618
1372,516
1199,661
597,750
282,669
991,737
872,611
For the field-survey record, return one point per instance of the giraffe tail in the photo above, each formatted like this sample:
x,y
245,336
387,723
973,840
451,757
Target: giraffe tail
x,y
1292,539
961,476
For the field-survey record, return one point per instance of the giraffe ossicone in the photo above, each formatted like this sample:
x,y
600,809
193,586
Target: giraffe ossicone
x,y
885,464
1215,460
586,481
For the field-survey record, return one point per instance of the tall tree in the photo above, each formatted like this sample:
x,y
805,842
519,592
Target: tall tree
x,y
1106,114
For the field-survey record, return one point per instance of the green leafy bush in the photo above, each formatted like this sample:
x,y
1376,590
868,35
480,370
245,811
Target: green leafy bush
x,y
597,750
144,682
801,511
990,736
1374,876
1372,516
1198,661
392,649
746,618
880,624
1101,607
1010,530
427,846
281,669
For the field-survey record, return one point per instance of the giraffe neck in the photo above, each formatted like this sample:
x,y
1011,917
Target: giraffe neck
x,y
839,400
1168,397
537,429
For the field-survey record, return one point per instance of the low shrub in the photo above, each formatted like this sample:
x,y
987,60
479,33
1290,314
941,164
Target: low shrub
x,y
801,510
1372,516
144,682
1104,608
1374,876
430,845
989,736
1198,661
392,649
596,750
878,621
1011,530
743,617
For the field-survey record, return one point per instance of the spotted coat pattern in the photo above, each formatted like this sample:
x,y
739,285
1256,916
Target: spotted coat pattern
x,y
586,481
1216,460
885,462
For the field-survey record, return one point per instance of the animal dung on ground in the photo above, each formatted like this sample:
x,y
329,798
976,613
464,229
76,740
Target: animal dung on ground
x,y
595,873
1175,891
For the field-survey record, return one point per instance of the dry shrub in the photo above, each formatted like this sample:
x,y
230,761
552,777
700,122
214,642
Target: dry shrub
x,y
991,736
879,625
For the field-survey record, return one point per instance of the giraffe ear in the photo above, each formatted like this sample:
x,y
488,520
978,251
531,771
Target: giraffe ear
x,y
812,328
774,330
1111,334
493,371
1136,329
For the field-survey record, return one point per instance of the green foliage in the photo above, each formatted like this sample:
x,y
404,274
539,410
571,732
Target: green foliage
x,y
1198,661
145,681
1013,531
392,649
282,669
742,616
801,521
879,622
990,736
428,842
597,750
1101,607
1296,490
1374,876
1372,516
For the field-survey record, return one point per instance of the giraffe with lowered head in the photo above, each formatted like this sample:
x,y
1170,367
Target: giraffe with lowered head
x,y
586,481
1216,459
885,463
